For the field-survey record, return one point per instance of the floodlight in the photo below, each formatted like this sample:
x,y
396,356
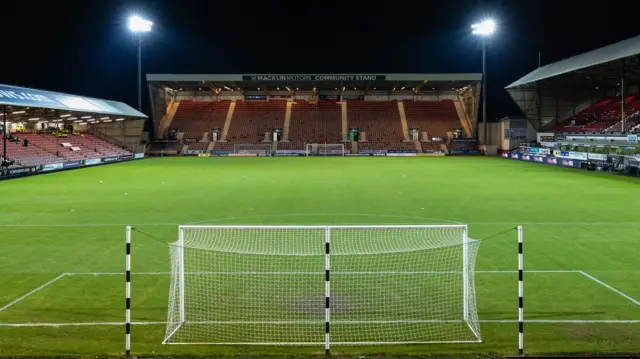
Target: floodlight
x,y
485,28
18,112
138,24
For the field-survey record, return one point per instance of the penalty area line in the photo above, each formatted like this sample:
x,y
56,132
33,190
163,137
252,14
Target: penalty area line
x,y
32,292
626,296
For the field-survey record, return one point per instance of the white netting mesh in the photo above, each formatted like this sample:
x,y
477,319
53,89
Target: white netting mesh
x,y
267,285
257,148
325,149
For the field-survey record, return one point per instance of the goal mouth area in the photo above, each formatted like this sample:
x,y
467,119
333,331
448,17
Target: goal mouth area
x,y
313,285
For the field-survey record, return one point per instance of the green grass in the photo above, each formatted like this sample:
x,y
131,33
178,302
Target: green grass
x,y
69,223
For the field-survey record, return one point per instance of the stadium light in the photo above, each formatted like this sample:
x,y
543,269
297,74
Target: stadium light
x,y
18,112
139,26
484,29
85,117
34,119
104,118
67,115
226,87
120,119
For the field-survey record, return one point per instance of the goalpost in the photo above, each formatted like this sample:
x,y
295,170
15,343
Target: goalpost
x,y
257,148
322,285
325,149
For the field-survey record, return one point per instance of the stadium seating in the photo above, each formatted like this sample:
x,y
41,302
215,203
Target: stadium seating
x,y
196,117
381,123
434,117
103,148
30,155
604,116
252,119
43,149
314,123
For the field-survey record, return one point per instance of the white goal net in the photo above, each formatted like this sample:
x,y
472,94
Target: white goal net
x,y
325,149
322,285
249,149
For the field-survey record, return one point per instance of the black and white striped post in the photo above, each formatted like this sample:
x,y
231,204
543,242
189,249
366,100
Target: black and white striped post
x,y
327,289
520,295
128,294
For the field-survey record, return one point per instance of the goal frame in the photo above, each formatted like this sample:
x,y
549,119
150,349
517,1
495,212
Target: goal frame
x,y
465,242
309,148
252,148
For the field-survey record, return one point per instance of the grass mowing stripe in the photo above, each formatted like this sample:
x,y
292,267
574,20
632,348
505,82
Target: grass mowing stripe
x,y
610,287
32,292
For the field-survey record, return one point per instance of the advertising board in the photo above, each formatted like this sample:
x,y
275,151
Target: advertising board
x,y
92,161
53,167
72,164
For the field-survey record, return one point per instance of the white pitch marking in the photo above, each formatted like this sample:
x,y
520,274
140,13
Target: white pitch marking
x,y
543,321
31,292
610,287
322,272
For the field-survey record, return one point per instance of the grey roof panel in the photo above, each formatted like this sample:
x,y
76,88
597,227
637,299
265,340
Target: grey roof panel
x,y
617,51
26,97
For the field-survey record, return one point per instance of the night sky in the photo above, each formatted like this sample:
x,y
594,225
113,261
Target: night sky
x,y
85,48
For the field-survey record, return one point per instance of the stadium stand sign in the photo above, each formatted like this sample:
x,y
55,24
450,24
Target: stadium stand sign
x,y
315,78
192,152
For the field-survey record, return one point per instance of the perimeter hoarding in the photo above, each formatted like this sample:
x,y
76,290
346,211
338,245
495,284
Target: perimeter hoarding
x,y
55,167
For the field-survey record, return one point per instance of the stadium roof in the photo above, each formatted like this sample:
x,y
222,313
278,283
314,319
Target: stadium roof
x,y
265,82
608,54
32,98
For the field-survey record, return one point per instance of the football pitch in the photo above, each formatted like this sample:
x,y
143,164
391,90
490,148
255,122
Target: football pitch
x,y
62,238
